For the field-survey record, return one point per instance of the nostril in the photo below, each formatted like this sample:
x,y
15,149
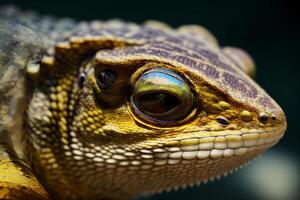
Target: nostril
x,y
263,117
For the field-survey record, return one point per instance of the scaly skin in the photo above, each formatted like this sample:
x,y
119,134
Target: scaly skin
x,y
88,142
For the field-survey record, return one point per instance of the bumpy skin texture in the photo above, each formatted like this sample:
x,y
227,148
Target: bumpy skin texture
x,y
86,142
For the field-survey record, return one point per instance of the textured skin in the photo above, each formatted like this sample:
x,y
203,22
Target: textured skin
x,y
86,143
19,54
17,184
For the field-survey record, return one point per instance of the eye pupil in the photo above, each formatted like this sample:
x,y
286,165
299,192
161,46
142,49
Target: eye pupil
x,y
106,78
156,103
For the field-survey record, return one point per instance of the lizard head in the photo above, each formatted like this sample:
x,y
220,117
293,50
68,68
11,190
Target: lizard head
x,y
149,117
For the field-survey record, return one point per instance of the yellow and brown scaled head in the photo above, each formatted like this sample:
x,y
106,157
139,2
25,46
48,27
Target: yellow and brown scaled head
x,y
127,109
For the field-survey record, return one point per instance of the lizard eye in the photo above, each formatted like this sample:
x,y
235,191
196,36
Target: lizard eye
x,y
162,96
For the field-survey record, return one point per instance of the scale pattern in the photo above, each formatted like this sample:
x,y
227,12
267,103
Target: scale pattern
x,y
132,43
80,149
149,42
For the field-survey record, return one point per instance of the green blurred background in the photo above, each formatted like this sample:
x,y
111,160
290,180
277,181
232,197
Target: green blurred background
x,y
269,31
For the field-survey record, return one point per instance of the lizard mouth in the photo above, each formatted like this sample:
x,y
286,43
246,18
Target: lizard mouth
x,y
218,145
194,160
213,156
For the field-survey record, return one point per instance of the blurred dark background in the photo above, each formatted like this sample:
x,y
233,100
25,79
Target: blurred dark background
x,y
269,30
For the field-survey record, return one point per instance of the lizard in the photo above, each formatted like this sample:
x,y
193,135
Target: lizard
x,y
115,109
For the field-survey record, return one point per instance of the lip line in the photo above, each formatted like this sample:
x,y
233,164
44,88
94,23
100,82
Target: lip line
x,y
178,153
273,136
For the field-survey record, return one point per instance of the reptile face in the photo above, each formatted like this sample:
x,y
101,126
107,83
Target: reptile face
x,y
143,126
120,110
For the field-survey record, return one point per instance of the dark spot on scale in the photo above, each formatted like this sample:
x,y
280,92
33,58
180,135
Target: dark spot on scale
x,y
222,120
263,117
27,176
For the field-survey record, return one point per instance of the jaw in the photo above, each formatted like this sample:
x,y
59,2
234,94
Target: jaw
x,y
120,171
197,159
184,162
